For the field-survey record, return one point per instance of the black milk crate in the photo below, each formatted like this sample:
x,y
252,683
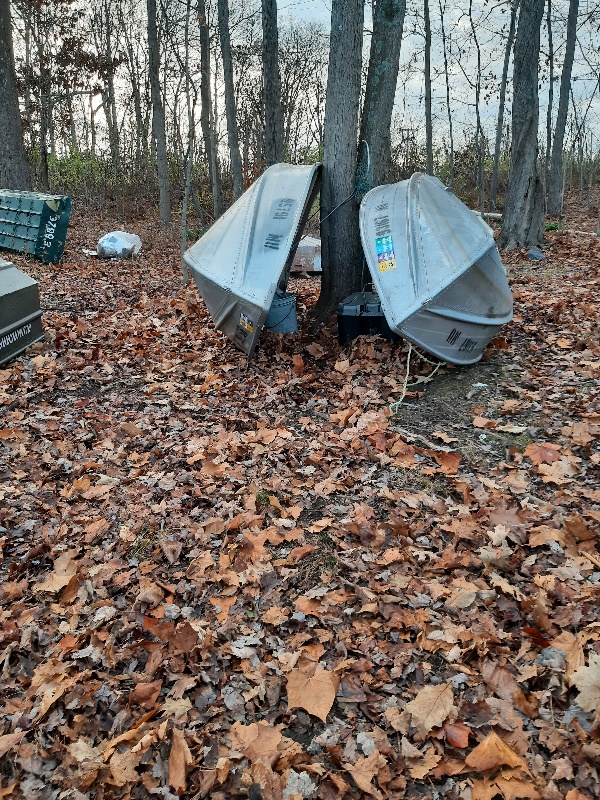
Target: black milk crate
x,y
361,314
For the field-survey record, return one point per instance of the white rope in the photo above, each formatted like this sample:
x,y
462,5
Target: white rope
x,y
395,406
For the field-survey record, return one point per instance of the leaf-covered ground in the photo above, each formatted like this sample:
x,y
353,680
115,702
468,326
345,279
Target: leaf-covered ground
x,y
222,578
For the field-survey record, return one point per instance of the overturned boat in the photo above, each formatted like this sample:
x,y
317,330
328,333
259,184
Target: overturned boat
x,y
247,254
436,268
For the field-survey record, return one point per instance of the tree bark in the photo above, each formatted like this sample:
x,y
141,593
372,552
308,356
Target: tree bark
x,y
428,118
502,104
555,183
14,169
340,240
272,84
206,111
448,108
384,62
230,110
158,117
550,97
522,223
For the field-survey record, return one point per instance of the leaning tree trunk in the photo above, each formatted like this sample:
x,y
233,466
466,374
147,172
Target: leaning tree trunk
x,y
340,241
384,62
522,223
271,84
14,169
230,112
555,184
158,117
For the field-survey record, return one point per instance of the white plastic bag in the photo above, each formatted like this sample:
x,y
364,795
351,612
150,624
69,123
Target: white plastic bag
x,y
119,244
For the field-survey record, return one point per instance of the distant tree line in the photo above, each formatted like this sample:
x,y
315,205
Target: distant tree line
x,y
193,99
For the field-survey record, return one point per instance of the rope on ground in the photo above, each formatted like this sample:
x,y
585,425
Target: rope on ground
x,y
395,406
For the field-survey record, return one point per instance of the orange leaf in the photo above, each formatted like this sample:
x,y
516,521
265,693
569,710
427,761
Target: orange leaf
x,y
542,452
314,694
493,752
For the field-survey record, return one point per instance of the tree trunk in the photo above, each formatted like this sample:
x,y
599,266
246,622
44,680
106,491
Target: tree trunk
x,y
554,189
428,119
230,112
340,240
14,169
449,110
384,62
158,116
522,224
206,112
502,104
272,84
550,97
479,136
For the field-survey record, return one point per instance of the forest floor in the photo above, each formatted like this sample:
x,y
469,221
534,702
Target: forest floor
x,y
227,578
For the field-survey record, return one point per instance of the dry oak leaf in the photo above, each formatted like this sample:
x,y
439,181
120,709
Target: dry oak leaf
x,y
509,788
180,760
493,752
146,694
560,472
431,707
502,683
542,453
122,767
314,693
365,770
257,741
9,740
149,593
587,680
65,568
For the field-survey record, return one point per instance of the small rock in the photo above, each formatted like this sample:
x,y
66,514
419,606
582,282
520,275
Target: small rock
x,y
536,254
551,657
172,612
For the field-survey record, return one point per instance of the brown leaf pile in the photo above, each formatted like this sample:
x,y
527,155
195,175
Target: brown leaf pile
x,y
222,578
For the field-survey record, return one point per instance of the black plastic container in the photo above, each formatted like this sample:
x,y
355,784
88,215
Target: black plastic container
x,y
361,314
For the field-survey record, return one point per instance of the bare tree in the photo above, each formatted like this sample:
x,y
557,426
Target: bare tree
x,y
428,118
14,169
555,183
523,219
230,110
158,116
384,62
502,102
271,84
341,248
206,113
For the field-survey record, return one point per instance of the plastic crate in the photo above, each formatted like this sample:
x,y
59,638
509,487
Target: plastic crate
x,y
34,223
20,313
361,314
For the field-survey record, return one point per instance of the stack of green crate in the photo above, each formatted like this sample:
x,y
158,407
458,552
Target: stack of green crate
x,y
34,223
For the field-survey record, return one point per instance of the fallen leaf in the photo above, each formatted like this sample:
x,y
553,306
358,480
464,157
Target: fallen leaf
x,y
314,694
587,680
9,740
542,453
65,568
493,752
364,771
431,707
180,761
